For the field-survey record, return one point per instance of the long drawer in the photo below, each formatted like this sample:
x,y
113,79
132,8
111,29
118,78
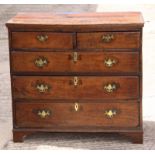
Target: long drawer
x,y
77,87
108,40
57,115
41,40
68,62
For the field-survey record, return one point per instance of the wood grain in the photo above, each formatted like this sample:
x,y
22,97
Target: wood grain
x,y
23,40
81,33
89,114
121,40
126,62
77,19
90,87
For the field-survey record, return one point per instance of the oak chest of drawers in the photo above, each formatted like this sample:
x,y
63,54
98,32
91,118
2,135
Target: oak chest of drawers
x,y
76,73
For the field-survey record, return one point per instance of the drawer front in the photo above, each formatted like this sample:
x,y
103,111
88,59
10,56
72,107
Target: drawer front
x,y
108,40
57,115
41,40
82,87
92,62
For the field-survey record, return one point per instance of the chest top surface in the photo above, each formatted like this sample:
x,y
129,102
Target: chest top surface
x,y
132,19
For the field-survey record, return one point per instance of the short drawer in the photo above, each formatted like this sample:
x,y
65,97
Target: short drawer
x,y
108,40
81,115
79,62
77,87
41,40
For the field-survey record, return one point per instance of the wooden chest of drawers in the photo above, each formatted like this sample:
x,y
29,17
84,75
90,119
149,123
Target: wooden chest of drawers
x,y
76,73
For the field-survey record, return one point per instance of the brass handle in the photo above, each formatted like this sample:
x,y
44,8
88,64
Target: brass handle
x,y
43,87
107,38
42,38
41,62
43,113
75,81
111,87
75,57
110,113
109,62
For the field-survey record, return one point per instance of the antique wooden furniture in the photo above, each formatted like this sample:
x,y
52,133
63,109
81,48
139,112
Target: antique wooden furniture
x,y
76,73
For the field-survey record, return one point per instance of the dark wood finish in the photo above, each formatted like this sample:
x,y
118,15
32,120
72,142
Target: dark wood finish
x,y
127,62
88,114
120,40
88,87
18,136
81,33
135,137
79,22
23,40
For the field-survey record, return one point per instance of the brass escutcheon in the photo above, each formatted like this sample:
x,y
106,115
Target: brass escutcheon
x,y
42,38
107,38
110,113
75,81
110,87
74,57
43,113
76,107
109,62
41,62
42,87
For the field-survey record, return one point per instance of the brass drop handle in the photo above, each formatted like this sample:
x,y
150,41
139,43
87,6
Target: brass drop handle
x,y
75,81
110,113
107,38
40,62
75,57
111,87
42,87
109,62
42,38
43,113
